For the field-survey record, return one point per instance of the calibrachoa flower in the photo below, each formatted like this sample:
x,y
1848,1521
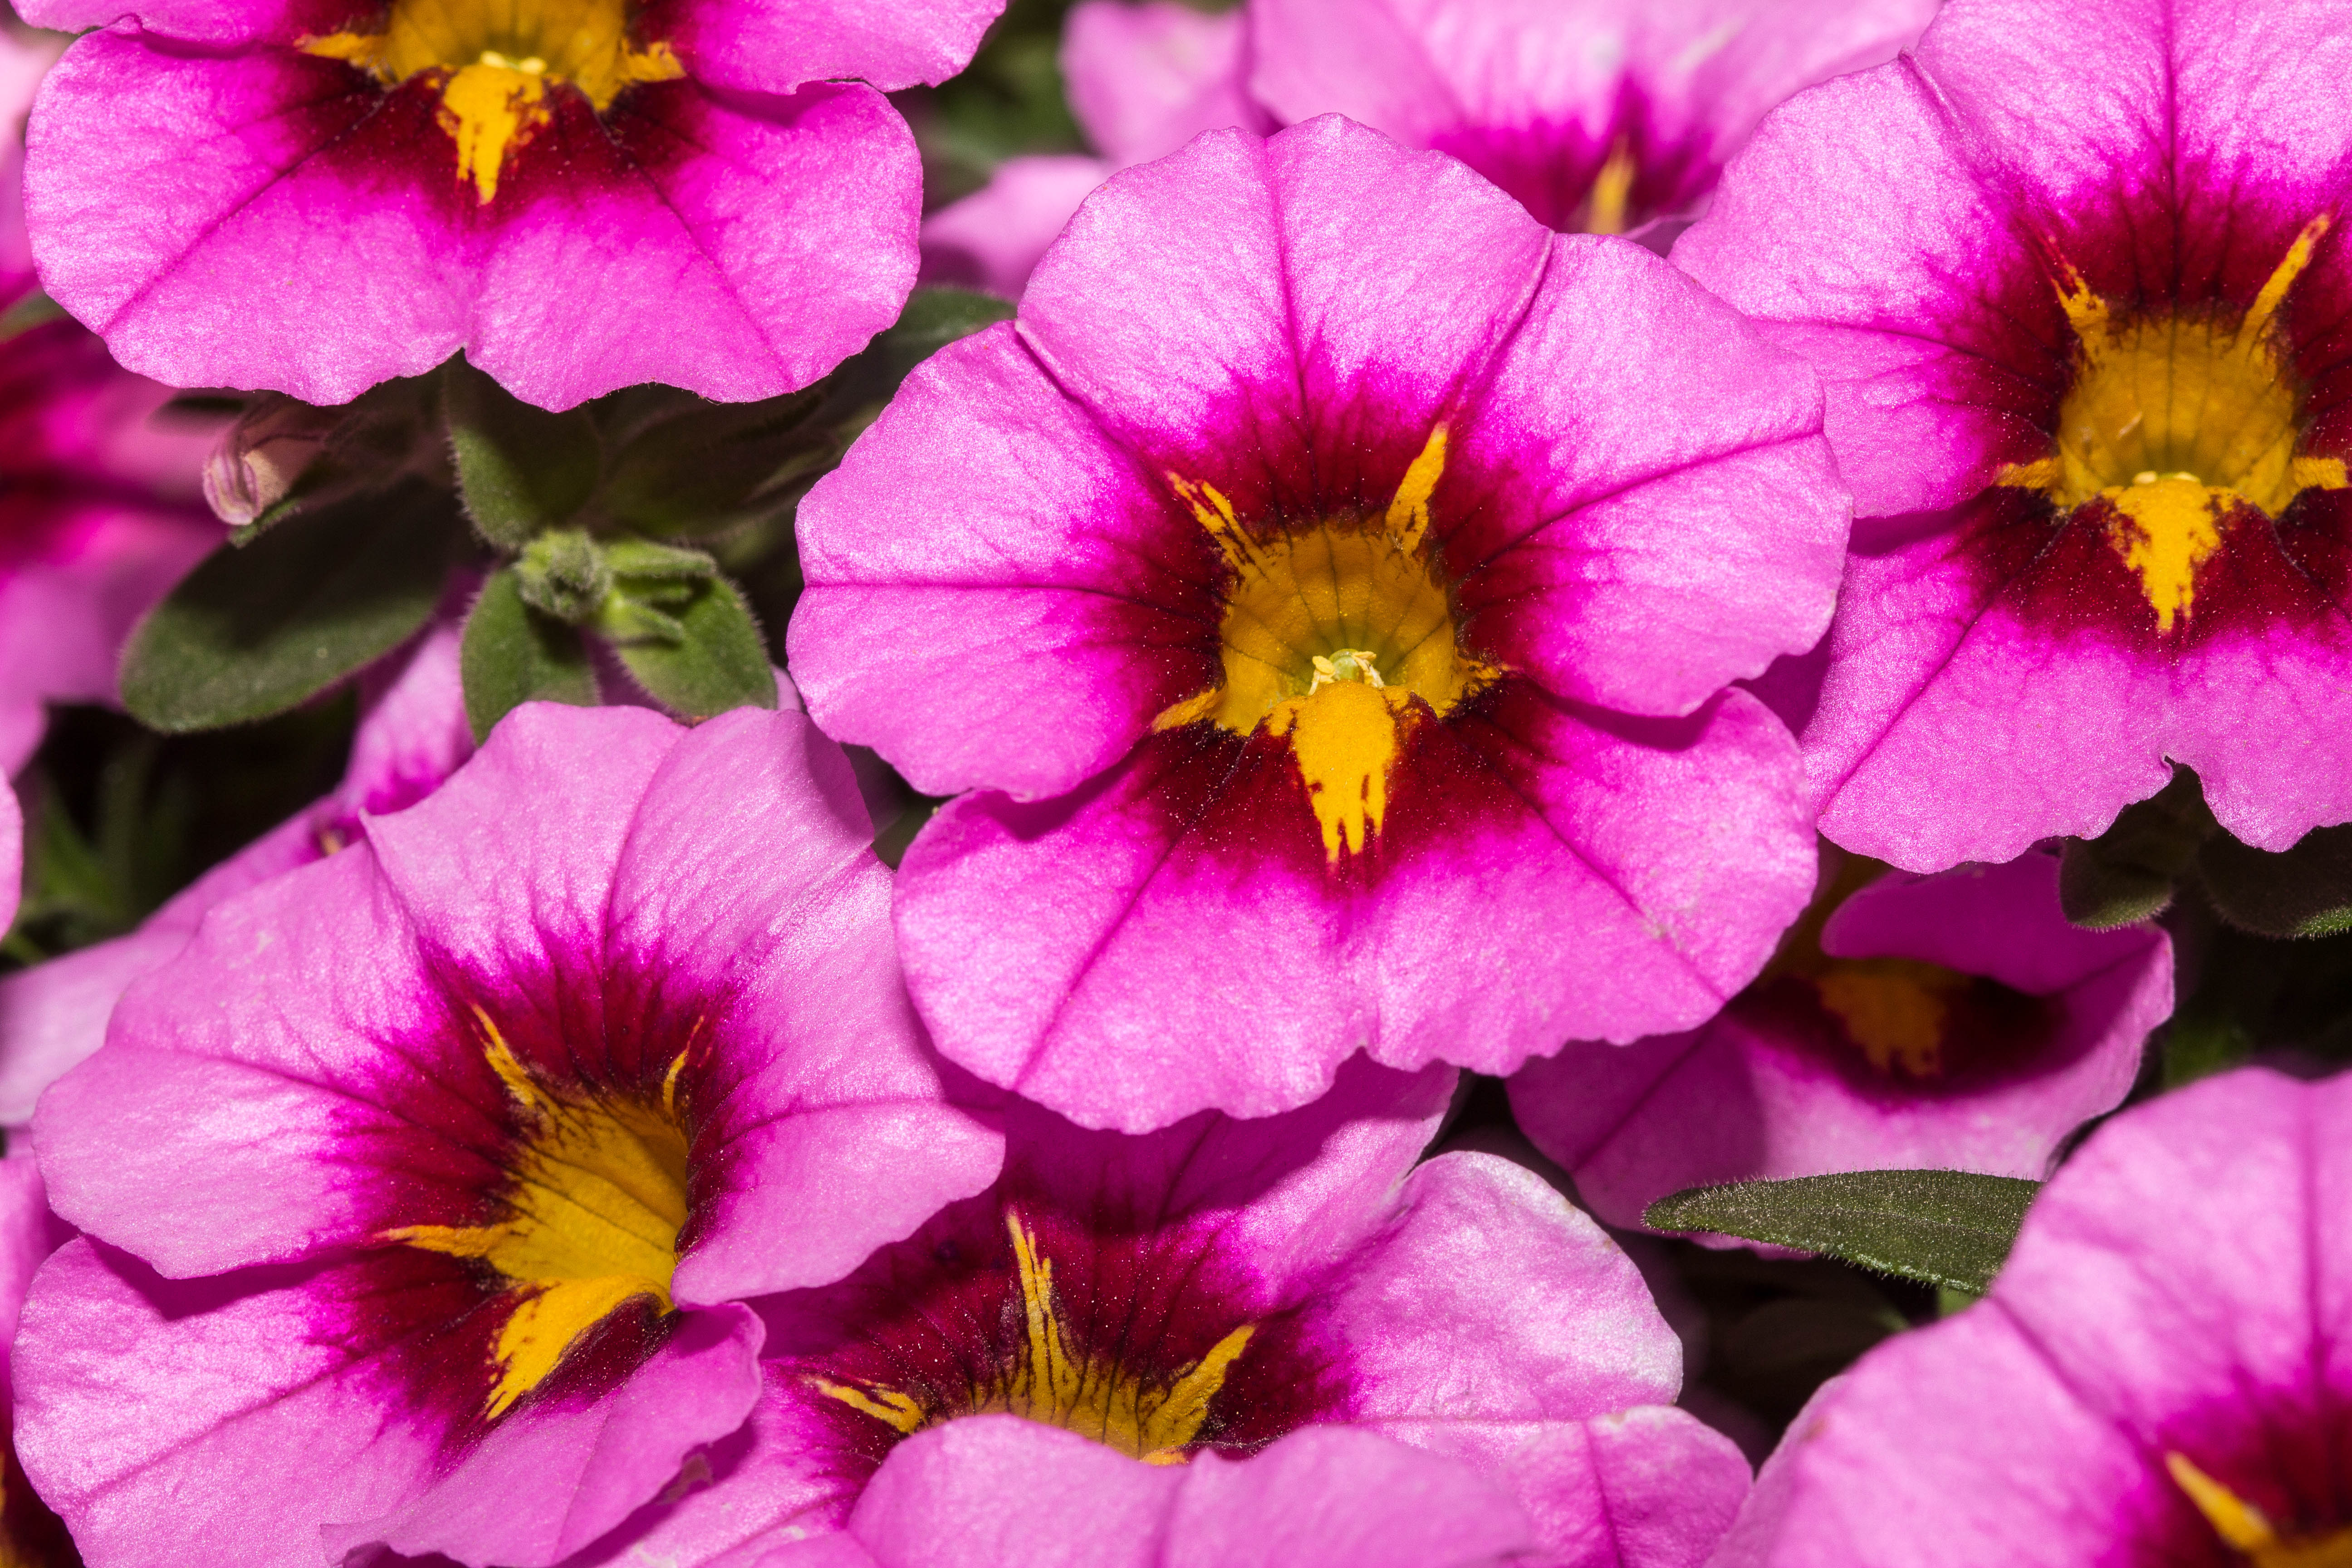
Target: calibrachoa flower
x,y
1326,590
2155,1377
1601,115
1953,1022
1142,81
423,1189
412,735
1192,1295
2083,375
314,195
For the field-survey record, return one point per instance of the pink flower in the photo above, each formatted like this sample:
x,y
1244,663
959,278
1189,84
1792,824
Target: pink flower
x,y
30,1535
1331,634
99,511
412,735
315,196
1954,1022
1227,1310
1602,115
2066,578
2155,1377
1142,79
422,1191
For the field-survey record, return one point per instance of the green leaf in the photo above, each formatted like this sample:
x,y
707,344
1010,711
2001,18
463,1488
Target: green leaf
x,y
2127,873
255,631
512,655
2305,891
1945,1227
520,468
719,661
683,466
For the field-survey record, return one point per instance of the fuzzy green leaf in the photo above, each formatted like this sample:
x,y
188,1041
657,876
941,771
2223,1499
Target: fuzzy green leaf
x,y
716,661
1945,1227
520,468
256,630
2303,891
512,655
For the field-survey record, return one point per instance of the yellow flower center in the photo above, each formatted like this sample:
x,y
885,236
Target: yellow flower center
x,y
494,62
1050,1378
594,1201
2174,419
1330,634
2242,1527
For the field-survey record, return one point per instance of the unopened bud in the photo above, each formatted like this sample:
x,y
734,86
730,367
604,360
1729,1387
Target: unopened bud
x,y
263,453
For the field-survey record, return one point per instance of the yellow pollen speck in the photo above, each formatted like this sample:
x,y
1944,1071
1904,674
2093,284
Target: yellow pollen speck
x,y
1338,638
2242,1527
495,65
1049,1378
2174,421
1612,187
596,1198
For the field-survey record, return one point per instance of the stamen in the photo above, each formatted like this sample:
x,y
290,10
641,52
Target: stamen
x,y
2245,1530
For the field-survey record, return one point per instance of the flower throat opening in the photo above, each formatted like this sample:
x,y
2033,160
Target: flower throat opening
x,y
2248,1533
492,61
2174,420
595,1200
1330,634
1051,1376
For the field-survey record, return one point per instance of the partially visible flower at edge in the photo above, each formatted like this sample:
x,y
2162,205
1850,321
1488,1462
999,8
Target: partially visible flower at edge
x,y
30,1535
508,1108
1142,79
1333,637
1221,1295
100,509
1606,116
2104,519
313,196
1952,1022
2155,1376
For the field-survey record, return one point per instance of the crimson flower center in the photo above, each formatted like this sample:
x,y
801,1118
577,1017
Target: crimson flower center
x,y
2174,419
2248,1531
596,1198
1337,636
1051,1376
493,64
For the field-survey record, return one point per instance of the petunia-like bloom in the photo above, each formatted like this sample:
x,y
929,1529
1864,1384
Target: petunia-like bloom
x,y
1952,1022
1229,1297
422,1191
2083,364
2155,1378
1142,79
316,195
99,511
1332,634
412,735
1601,115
